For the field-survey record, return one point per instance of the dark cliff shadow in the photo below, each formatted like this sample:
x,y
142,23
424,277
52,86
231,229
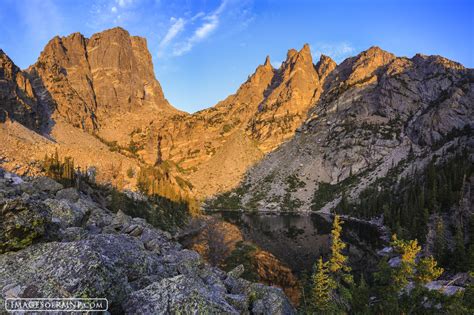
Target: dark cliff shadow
x,y
45,104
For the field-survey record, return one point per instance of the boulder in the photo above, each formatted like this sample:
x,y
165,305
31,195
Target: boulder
x,y
21,223
101,266
64,213
47,184
70,194
268,300
236,272
178,295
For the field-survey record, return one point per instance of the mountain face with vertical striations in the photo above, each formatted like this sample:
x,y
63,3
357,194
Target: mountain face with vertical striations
x,y
93,80
106,86
263,113
17,98
347,117
378,117
77,88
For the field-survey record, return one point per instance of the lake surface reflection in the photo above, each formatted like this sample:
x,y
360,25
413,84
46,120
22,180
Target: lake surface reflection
x,y
299,239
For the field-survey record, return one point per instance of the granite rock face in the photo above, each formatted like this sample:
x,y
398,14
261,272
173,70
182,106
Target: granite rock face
x,y
17,98
263,113
21,223
296,87
67,245
90,80
376,110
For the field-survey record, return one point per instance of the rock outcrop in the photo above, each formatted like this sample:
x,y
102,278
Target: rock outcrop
x,y
92,80
71,246
297,87
17,98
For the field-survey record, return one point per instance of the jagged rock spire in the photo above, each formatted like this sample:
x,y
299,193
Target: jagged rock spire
x,y
306,49
325,66
267,62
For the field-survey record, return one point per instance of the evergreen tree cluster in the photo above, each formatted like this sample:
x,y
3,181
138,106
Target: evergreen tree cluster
x,y
159,211
408,205
61,170
400,287
167,206
156,183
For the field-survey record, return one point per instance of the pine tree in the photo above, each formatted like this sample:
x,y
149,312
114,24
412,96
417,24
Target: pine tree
x,y
332,279
67,174
194,206
360,297
408,251
338,262
322,286
338,267
427,270
56,156
470,257
459,253
439,246
343,204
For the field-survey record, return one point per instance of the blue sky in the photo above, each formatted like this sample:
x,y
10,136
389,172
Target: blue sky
x,y
204,49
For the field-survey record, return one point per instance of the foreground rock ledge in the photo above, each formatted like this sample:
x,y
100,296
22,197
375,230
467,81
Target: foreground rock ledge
x,y
58,243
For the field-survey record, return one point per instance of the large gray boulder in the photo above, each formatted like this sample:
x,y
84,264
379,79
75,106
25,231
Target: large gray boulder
x,y
178,295
21,223
47,185
108,266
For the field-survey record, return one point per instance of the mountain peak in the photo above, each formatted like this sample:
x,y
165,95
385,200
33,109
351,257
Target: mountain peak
x,y
108,74
325,59
436,60
267,62
291,52
306,49
115,30
364,66
3,55
325,66
262,76
376,52
375,49
293,56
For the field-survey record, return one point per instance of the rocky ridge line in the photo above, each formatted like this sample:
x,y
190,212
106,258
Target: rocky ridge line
x,y
374,110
